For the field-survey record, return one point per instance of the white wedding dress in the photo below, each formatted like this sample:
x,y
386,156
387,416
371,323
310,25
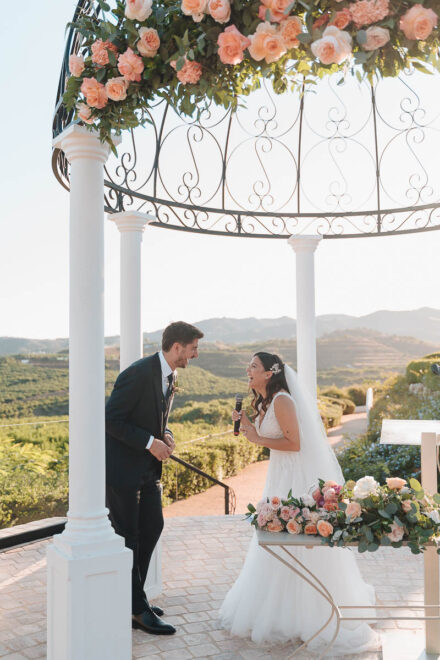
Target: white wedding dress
x,y
268,602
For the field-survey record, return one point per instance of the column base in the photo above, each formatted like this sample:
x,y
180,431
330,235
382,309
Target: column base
x,y
89,600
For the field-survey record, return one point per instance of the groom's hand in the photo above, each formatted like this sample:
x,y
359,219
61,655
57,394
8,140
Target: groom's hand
x,y
168,440
160,450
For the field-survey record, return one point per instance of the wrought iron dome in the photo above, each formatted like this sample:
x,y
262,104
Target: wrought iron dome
x,y
341,160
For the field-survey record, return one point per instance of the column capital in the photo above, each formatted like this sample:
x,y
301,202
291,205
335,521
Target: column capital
x,y
131,220
304,242
78,142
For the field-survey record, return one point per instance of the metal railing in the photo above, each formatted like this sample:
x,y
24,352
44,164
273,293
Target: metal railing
x,y
229,492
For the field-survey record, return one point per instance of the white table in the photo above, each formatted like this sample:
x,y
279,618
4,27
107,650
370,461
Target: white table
x,y
271,542
426,434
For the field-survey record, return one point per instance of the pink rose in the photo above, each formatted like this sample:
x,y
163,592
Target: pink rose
x,y
329,494
138,10
376,37
310,528
317,495
191,72
342,18
95,93
220,10
397,532
149,42
293,527
322,20
130,65
274,526
267,511
267,43
406,506
306,513
353,510
100,51
261,520
395,483
333,47
116,88
329,484
290,28
314,517
324,528
331,505
275,503
260,505
84,113
418,22
285,513
232,44
194,8
76,65
365,12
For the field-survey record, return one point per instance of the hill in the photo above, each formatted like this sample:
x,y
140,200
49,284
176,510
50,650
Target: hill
x,y
423,324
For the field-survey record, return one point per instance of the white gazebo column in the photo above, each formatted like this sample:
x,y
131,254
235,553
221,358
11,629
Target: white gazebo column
x,y
89,568
131,224
304,247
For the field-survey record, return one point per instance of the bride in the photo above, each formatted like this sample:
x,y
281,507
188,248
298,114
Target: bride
x,y
268,602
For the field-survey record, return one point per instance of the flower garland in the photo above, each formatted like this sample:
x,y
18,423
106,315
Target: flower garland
x,y
364,512
193,52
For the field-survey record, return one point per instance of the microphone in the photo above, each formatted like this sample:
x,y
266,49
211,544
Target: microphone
x,y
435,368
238,402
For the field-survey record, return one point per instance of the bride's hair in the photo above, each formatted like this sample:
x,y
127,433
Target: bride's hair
x,y
276,383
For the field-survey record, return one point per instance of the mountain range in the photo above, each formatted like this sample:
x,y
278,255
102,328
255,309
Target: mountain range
x,y
422,324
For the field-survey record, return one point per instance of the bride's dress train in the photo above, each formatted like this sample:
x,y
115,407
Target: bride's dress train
x,y
268,602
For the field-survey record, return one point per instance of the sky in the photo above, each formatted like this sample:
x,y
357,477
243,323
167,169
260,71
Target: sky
x,y
185,276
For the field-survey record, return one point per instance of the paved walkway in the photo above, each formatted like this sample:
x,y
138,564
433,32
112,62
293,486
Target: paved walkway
x,y
248,484
201,559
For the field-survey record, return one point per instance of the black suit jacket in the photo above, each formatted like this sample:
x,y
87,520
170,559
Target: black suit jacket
x,y
134,412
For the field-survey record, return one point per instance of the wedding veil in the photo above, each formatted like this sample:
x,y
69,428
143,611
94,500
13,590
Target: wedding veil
x,y
318,459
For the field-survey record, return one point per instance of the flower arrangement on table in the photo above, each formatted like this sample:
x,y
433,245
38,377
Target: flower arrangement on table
x,y
195,51
364,512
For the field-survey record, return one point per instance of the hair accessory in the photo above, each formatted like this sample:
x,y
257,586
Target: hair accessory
x,y
275,368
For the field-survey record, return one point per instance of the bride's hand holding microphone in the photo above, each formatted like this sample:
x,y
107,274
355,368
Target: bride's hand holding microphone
x,y
245,426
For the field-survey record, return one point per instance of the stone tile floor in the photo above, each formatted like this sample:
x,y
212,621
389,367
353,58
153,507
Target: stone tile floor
x,y
201,558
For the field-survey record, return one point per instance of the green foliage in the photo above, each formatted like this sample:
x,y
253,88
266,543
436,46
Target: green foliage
x,y
358,394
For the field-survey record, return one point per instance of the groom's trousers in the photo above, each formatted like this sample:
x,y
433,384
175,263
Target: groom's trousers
x,y
136,514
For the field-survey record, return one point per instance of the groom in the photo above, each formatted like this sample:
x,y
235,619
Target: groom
x,y
137,441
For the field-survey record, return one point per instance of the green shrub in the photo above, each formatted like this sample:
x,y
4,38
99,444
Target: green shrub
x,y
358,394
417,370
331,411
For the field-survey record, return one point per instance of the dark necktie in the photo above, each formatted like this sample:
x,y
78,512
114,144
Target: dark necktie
x,y
169,391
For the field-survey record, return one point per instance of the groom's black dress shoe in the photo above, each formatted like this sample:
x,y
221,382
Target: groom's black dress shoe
x,y
150,623
157,610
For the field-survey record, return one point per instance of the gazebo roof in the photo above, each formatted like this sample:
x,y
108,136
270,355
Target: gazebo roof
x,y
341,160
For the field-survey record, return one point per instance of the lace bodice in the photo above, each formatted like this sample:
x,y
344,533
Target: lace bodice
x,y
269,427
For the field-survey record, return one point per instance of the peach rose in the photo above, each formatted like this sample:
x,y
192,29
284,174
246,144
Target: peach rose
x,y
194,8
329,494
275,502
149,42
285,513
376,37
293,511
290,28
353,510
406,506
138,10
329,484
220,10
418,22
130,65
365,12
317,495
330,505
310,528
76,65
274,526
100,50
191,73
333,47
116,88
397,532
314,517
342,18
84,113
324,528
267,43
95,93
293,527
232,45
395,483
276,8
322,20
